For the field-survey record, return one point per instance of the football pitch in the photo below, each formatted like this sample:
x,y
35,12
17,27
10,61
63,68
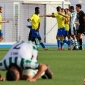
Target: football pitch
x,y
68,67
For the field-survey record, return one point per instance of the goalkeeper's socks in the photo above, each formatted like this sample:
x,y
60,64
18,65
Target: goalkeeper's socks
x,y
59,43
42,44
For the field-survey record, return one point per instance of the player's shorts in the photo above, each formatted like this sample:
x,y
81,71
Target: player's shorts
x,y
31,73
35,33
81,29
1,33
72,31
61,32
66,33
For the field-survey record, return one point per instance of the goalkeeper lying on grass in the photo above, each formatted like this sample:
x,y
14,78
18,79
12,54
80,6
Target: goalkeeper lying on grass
x,y
21,62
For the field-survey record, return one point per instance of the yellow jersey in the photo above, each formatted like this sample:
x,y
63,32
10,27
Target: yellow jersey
x,y
0,23
60,19
35,21
67,23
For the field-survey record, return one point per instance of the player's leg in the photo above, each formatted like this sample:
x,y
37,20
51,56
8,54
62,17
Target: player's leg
x,y
58,39
30,34
80,31
40,41
75,43
65,40
33,35
62,34
1,36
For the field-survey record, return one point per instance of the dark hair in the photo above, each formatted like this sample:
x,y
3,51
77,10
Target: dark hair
x,y
58,8
0,7
71,7
62,8
36,8
79,5
10,75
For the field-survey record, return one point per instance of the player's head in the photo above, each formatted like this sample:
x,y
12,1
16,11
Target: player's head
x,y
78,7
67,11
58,9
0,9
13,73
62,10
37,10
71,8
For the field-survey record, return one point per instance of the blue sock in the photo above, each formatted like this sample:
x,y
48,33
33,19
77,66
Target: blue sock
x,y
69,42
42,45
59,43
62,44
66,41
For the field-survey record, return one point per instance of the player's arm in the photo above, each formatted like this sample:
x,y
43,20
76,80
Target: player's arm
x,y
5,21
42,68
64,15
49,15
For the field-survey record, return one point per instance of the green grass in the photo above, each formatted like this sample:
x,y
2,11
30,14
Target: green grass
x,y
68,67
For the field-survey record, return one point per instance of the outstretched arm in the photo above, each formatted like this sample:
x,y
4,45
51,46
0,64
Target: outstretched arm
x,y
42,68
6,21
49,15
64,15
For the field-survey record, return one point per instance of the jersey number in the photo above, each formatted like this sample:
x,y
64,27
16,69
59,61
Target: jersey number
x,y
17,46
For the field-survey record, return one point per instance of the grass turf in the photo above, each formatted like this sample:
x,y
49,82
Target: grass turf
x,y
68,67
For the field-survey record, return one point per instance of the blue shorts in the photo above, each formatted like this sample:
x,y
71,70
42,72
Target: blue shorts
x,y
61,32
66,33
35,33
1,33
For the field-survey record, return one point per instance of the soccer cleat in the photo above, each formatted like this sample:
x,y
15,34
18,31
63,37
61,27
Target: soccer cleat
x,y
81,48
45,48
69,48
75,48
59,48
62,48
